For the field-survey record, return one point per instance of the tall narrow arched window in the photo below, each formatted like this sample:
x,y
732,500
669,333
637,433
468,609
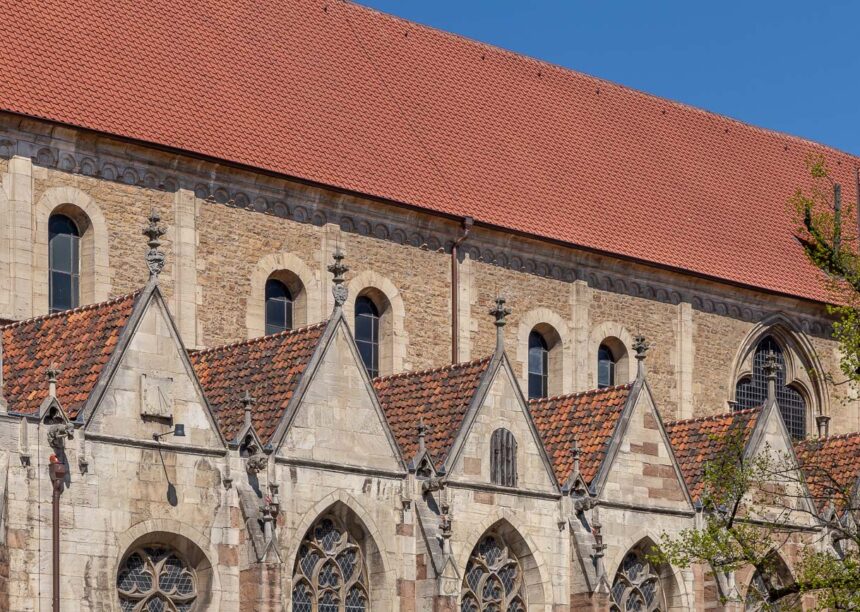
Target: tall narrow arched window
x,y
64,255
330,574
503,458
538,365
279,307
751,390
606,366
367,333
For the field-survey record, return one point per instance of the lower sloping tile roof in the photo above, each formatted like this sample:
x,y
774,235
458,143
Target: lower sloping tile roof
x,y
695,442
269,368
831,467
439,396
589,418
78,341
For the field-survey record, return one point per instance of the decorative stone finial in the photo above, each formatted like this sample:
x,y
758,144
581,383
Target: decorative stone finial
x,y
338,269
771,369
575,452
640,347
422,431
154,231
248,402
53,372
500,312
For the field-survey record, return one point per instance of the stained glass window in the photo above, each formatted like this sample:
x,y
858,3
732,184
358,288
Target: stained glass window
x,y
751,391
636,586
330,575
156,579
493,580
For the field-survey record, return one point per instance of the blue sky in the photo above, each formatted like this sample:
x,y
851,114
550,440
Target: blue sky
x,y
791,66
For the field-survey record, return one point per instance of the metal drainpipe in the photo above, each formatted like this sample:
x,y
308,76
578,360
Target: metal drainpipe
x,y
57,471
455,290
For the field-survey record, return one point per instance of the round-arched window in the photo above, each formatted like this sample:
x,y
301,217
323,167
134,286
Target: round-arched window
x,y
279,307
538,365
330,574
64,263
636,586
494,579
606,365
367,333
156,579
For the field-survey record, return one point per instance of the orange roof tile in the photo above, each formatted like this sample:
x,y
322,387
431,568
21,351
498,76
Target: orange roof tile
x,y
589,418
342,95
831,467
439,396
79,341
269,368
695,442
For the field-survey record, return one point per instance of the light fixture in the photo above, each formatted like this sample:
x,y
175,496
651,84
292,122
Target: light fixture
x,y
178,431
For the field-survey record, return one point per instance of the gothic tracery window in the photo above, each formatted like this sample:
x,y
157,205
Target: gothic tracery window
x,y
751,391
330,574
636,586
494,579
156,579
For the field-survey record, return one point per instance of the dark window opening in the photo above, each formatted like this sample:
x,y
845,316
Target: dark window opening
x,y
367,333
279,307
503,458
606,366
538,365
64,247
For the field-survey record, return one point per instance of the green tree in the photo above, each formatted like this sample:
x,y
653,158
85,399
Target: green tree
x,y
752,506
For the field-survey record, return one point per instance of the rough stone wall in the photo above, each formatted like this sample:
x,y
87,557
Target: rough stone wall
x,y
126,208
231,243
657,322
718,339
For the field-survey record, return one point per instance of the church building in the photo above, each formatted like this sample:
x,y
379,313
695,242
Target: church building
x,y
308,308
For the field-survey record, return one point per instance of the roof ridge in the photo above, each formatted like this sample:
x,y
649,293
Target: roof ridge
x,y
259,339
71,311
842,436
581,393
571,72
714,417
450,366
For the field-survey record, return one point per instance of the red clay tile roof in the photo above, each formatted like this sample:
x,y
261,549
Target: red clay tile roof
x,y
269,368
695,442
831,466
79,341
342,95
440,396
588,417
